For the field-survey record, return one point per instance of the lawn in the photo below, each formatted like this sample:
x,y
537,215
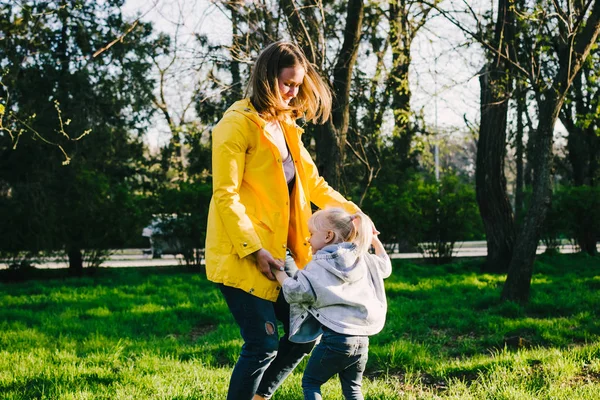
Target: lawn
x,y
165,333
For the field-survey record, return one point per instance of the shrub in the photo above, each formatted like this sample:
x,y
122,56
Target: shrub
x,y
185,228
426,215
575,214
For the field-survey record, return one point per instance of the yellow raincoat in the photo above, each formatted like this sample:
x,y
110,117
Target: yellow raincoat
x,y
251,207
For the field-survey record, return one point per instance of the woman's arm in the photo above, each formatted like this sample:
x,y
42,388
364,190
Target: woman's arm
x,y
229,147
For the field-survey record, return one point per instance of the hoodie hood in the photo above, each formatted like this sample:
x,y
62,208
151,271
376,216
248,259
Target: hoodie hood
x,y
342,260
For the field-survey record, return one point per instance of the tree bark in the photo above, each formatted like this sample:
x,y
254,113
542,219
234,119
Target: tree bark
x,y
332,142
494,205
235,51
582,145
492,197
75,261
518,281
330,138
398,84
519,155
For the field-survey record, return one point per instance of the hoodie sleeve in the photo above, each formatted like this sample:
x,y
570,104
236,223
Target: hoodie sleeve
x,y
298,289
383,265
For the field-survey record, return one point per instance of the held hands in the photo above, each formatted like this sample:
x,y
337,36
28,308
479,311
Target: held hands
x,y
265,261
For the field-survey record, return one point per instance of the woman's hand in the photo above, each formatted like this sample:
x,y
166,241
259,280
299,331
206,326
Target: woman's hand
x,y
265,261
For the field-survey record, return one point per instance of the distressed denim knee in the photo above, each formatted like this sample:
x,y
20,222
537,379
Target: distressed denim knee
x,y
261,347
258,328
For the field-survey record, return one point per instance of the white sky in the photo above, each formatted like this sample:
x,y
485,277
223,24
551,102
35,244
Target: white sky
x,y
443,79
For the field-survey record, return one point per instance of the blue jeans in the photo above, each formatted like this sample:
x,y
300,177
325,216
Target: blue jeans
x,y
336,354
265,360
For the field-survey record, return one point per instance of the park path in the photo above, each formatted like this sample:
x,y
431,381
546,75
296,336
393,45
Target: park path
x,y
137,258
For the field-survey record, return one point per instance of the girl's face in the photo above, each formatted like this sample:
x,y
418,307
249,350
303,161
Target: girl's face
x,y
289,80
319,239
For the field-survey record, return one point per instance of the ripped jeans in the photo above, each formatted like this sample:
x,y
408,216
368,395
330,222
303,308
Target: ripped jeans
x,y
265,360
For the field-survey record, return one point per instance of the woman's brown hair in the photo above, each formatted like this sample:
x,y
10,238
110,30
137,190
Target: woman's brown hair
x,y
314,96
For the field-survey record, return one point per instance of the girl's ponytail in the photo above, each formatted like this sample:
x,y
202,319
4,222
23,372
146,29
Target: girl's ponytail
x,y
364,231
355,228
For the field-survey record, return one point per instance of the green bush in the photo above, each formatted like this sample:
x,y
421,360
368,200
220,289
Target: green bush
x,y
426,215
185,227
574,215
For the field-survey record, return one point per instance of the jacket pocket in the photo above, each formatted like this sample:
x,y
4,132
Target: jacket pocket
x,y
258,219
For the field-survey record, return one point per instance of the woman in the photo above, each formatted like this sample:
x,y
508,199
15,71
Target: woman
x,y
264,182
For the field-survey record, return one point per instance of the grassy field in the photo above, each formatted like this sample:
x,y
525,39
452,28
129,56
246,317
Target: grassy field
x,y
165,333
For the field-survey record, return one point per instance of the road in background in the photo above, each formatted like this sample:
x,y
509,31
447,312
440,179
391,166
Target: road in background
x,y
137,258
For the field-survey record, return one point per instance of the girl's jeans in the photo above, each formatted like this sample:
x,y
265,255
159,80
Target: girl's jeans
x,y
265,360
336,354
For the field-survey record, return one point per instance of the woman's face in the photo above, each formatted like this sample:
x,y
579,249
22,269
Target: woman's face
x,y
290,79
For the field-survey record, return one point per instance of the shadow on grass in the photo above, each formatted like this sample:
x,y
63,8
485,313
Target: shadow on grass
x,y
117,303
454,310
45,387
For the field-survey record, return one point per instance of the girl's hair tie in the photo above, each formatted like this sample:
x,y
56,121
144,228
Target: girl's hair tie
x,y
353,217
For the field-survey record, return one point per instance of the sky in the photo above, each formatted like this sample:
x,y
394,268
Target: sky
x,y
443,78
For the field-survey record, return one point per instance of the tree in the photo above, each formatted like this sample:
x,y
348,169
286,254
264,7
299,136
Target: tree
x,y
580,117
579,26
496,85
331,137
75,66
548,62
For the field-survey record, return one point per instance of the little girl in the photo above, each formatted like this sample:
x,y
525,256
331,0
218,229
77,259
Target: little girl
x,y
340,295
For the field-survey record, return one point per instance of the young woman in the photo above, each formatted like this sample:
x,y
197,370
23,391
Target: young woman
x,y
340,295
264,182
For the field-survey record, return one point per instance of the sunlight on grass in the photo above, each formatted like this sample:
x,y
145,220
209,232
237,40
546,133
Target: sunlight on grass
x,y
165,333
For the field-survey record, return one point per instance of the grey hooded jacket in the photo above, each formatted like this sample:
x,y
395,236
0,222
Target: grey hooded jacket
x,y
340,290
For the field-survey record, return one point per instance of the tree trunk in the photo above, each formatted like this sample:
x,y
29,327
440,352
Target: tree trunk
x,y
235,51
328,157
494,205
330,138
336,130
398,88
519,154
75,261
582,148
518,282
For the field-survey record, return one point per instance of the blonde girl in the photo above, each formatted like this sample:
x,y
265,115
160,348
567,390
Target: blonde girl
x,y
338,295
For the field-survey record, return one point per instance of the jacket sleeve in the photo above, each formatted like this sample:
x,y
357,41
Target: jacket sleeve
x,y
298,289
229,146
321,194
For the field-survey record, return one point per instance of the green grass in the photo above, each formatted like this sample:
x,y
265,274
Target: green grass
x,y
166,333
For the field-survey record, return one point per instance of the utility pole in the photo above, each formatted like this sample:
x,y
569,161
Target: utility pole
x,y
436,142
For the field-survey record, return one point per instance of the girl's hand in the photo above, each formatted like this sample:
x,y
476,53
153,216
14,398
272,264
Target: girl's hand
x,y
375,231
265,261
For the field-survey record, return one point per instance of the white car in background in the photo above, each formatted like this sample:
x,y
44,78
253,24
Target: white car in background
x,y
161,242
